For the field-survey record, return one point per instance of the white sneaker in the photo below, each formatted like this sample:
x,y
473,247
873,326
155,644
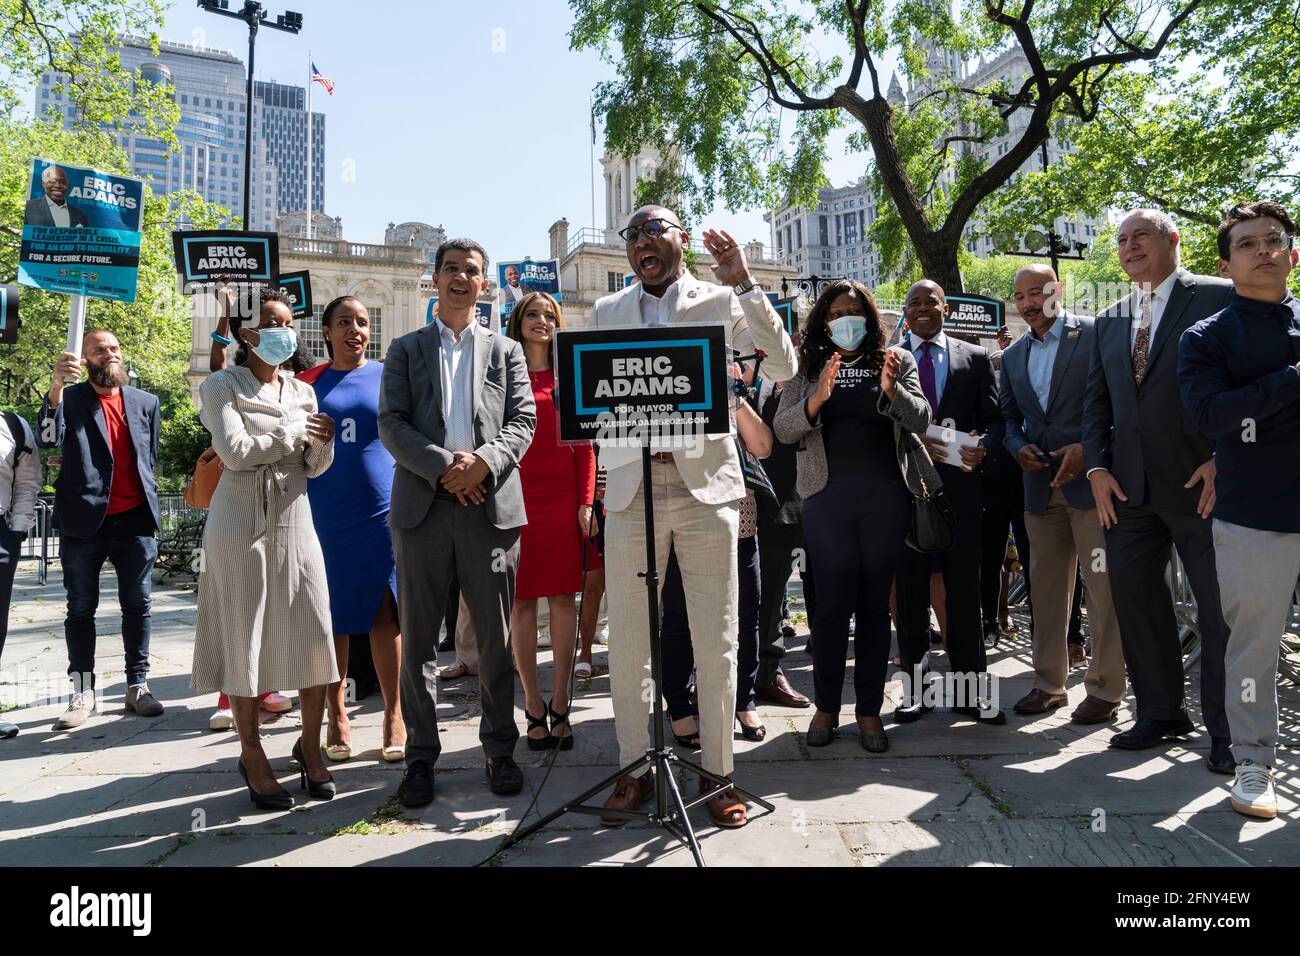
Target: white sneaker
x,y
602,634
1252,791
544,638
7,729
221,720
82,706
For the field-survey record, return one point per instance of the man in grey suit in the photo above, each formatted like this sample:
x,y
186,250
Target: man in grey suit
x,y
456,411
1152,477
52,209
1044,379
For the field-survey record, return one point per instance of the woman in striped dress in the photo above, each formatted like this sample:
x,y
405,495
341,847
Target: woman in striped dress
x,y
264,617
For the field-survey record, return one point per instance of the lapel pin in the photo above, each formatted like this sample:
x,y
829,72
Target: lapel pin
x,y
690,294
1074,334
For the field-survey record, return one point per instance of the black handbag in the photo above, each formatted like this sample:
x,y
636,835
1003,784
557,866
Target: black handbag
x,y
933,523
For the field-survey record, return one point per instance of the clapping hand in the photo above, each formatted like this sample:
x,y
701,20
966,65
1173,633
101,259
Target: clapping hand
x,y
825,385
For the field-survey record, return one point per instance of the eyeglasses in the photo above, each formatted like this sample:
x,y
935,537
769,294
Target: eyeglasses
x,y
654,228
1273,242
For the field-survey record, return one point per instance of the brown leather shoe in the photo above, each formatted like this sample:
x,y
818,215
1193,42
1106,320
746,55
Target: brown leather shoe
x,y
1094,710
726,809
1039,702
629,793
1077,656
780,692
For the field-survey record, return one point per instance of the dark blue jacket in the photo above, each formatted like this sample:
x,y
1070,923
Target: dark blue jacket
x,y
1058,425
1239,382
76,425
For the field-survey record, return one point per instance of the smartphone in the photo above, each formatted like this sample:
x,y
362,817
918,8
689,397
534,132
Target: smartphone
x,y
1046,459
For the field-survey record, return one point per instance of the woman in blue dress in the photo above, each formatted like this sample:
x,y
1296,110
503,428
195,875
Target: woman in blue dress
x,y
349,506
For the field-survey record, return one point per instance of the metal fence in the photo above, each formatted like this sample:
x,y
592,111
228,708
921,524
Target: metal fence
x,y
178,539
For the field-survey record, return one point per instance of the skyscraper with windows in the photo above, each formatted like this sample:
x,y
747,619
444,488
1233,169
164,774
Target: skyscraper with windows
x,y
282,112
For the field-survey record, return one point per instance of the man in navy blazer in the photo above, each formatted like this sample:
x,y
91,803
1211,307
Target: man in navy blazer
x,y
1044,382
106,502
957,379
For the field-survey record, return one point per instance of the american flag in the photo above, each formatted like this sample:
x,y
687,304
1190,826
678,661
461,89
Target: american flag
x,y
318,77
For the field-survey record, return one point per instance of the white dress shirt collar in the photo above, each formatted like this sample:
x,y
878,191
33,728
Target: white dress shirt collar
x,y
656,310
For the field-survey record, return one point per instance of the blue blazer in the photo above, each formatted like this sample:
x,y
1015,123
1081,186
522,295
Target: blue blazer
x,y
1061,422
76,425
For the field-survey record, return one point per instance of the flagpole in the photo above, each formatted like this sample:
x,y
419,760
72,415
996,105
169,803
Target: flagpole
x,y
309,138
592,109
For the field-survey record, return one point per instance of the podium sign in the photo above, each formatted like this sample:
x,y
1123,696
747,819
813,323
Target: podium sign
x,y
644,380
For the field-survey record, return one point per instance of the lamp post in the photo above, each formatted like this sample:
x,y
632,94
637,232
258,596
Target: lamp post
x,y
252,14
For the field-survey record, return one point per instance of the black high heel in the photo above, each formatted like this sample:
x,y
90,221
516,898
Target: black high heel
x,y
691,742
265,801
324,790
560,743
538,743
751,733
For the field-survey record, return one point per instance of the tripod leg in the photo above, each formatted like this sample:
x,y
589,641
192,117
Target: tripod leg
x,y
724,782
519,835
682,825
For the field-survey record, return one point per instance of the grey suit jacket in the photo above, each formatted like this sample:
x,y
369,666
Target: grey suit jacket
x,y
411,425
1143,434
37,213
1061,422
909,410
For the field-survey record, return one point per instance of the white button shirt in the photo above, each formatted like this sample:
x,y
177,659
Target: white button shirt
x,y
655,310
58,213
457,361
1159,299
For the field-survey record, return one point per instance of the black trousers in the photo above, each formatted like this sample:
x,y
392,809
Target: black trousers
x,y
960,566
675,633
10,548
777,546
1004,507
854,530
1137,553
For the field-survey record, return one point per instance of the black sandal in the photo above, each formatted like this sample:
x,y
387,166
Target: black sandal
x,y
538,743
561,743
751,733
693,741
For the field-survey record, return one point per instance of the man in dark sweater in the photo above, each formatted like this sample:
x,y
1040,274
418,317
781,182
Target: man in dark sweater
x,y
1240,380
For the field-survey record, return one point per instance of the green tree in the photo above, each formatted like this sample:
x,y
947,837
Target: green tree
x,y
714,84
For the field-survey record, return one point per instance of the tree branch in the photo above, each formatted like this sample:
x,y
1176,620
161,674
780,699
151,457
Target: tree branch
x,y
762,56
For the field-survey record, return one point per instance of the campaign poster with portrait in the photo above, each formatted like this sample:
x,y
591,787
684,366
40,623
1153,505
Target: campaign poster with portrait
x,y
517,279
482,310
81,232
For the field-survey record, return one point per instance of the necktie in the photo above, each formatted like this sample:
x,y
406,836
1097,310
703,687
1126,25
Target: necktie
x,y
925,370
1142,340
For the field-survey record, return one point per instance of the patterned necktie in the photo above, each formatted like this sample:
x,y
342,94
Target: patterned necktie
x,y
925,369
1142,340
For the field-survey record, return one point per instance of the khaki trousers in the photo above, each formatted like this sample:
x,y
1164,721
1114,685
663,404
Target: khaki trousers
x,y
1059,538
704,537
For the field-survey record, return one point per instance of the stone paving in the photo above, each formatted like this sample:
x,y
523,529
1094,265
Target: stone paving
x,y
124,790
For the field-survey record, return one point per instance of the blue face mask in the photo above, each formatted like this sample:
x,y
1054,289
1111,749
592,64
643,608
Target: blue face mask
x,y
275,345
848,331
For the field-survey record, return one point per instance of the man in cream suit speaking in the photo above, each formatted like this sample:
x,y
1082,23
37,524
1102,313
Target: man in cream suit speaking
x,y
697,490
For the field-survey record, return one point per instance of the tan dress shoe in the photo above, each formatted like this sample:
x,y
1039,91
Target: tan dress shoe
x,y
726,809
629,793
1094,710
1039,702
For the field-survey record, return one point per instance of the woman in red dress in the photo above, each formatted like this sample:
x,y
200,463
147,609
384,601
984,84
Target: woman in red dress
x,y
558,482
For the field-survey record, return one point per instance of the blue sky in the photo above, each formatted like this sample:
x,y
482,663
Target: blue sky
x,y
441,128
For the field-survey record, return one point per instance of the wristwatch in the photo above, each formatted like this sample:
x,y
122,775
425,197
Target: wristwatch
x,y
744,285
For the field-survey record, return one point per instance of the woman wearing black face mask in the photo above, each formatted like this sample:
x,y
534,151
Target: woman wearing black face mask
x,y
264,613
855,408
